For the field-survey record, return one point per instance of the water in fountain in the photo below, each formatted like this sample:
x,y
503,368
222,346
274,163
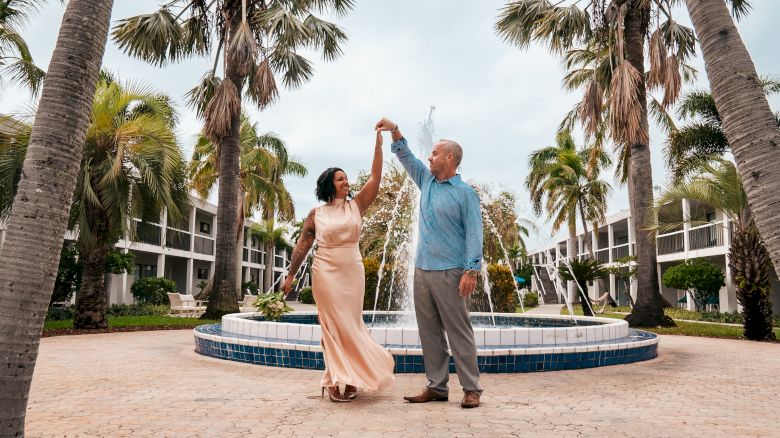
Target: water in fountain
x,y
393,216
494,230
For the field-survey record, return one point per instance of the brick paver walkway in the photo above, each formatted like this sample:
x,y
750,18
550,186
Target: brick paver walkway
x,y
153,384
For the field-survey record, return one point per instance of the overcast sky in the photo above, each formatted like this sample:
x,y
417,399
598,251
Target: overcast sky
x,y
402,57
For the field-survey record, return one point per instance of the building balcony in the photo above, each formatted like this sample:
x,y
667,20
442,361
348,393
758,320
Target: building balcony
x,y
706,236
204,245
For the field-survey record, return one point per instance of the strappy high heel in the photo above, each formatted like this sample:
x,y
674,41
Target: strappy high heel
x,y
350,392
333,394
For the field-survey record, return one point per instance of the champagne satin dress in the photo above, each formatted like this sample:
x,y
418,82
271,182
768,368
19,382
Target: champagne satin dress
x,y
352,357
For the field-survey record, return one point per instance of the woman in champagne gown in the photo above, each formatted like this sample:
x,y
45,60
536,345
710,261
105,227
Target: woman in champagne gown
x,y
352,357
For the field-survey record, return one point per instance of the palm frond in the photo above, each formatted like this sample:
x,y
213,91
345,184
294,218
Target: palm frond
x,y
242,51
24,72
295,69
740,8
326,35
199,96
156,38
220,111
626,112
262,86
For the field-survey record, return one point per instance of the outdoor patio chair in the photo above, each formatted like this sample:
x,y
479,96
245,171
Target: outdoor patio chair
x,y
185,305
603,300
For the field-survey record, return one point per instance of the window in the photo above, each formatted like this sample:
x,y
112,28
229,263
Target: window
x,y
205,227
203,273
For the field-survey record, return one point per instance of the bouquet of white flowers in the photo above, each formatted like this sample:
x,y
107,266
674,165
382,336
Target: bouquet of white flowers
x,y
272,306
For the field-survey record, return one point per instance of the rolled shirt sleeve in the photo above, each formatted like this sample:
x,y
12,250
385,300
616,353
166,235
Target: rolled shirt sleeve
x,y
416,169
472,219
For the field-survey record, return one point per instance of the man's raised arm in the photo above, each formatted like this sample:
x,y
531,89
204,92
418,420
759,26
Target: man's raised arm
x,y
416,168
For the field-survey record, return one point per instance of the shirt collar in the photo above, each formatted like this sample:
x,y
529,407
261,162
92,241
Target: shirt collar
x,y
452,181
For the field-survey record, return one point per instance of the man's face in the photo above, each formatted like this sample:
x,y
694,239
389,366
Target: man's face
x,y
440,160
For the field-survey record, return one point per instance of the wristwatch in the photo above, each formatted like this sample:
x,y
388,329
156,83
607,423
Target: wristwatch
x,y
471,272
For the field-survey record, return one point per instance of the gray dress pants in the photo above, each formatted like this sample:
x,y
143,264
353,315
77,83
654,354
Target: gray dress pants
x,y
440,309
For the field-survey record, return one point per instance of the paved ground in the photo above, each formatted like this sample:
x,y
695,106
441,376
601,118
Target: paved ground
x,y
153,384
545,309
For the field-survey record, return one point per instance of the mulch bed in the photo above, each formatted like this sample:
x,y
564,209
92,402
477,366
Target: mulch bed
x,y
72,331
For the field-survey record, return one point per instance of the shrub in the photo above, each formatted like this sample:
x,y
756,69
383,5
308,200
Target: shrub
x,y
249,286
502,291
371,266
65,313
118,262
531,299
306,296
699,276
153,290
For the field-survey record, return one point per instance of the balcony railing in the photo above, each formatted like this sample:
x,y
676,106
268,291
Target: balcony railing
x,y
706,236
147,233
177,239
671,243
620,251
204,245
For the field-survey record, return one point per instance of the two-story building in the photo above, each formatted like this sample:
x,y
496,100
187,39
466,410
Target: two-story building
x,y
184,255
705,234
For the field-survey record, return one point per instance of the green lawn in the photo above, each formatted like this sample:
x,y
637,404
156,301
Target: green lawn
x,y
710,330
136,321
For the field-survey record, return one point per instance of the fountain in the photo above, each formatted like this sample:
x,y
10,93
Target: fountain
x,y
506,342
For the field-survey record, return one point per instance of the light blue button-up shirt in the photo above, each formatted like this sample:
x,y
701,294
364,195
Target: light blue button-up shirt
x,y
450,218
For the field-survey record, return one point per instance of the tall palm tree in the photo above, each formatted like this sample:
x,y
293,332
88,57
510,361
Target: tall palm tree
x,y
264,162
560,175
702,138
16,63
748,122
257,42
38,221
624,27
131,168
719,185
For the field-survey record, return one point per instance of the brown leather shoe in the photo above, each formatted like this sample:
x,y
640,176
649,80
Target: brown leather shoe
x,y
425,396
470,400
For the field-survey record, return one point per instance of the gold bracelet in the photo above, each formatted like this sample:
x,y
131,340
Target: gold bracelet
x,y
392,131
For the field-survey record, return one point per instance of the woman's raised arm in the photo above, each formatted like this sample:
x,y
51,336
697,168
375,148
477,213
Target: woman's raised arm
x,y
367,195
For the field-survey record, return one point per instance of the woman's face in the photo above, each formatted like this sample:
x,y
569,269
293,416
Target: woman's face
x,y
341,184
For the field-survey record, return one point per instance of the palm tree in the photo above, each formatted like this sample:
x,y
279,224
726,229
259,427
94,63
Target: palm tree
x,y
131,168
261,41
701,139
719,185
263,164
16,63
39,217
560,175
585,270
272,237
748,122
623,28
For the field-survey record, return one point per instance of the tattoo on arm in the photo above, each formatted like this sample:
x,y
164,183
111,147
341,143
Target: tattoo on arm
x,y
303,246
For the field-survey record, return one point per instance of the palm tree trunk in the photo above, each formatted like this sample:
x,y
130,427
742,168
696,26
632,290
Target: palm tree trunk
x,y
270,252
648,309
588,246
571,253
222,298
750,126
750,265
92,296
38,221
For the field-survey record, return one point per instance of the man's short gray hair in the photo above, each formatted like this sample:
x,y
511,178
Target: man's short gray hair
x,y
454,148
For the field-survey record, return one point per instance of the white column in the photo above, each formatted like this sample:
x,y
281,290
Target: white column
x,y
192,229
188,283
631,237
611,238
686,208
124,296
728,300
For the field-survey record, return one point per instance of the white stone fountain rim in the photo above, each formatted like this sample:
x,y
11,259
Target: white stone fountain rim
x,y
609,329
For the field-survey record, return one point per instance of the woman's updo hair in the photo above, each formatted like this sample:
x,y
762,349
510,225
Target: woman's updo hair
x,y
326,190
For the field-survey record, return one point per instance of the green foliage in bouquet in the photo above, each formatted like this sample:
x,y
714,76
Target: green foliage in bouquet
x,y
272,306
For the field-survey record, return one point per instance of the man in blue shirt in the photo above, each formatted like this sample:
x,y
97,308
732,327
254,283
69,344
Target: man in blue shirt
x,y
447,265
